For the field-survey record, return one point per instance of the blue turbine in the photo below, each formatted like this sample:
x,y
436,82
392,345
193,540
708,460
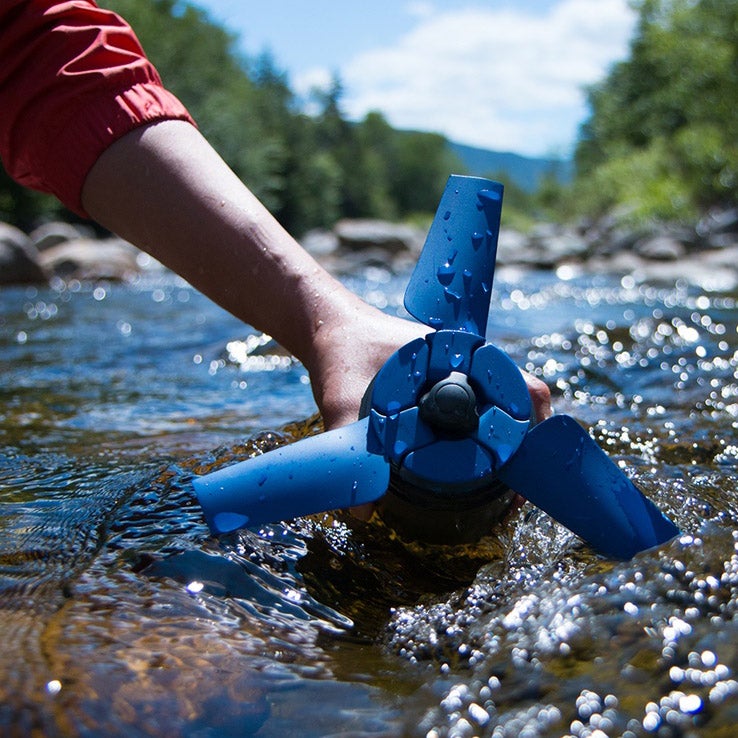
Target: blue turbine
x,y
450,414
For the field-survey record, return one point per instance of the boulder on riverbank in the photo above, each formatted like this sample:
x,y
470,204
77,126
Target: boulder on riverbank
x,y
354,245
88,259
705,254
66,251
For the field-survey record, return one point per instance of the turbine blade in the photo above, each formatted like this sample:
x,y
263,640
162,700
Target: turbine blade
x,y
451,285
561,469
324,472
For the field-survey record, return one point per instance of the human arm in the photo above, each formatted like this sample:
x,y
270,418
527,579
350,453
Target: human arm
x,y
85,116
165,189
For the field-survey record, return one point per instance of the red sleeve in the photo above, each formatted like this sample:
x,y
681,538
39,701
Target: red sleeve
x,y
73,79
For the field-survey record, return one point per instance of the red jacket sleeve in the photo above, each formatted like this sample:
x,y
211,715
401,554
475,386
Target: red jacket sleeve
x,y
73,79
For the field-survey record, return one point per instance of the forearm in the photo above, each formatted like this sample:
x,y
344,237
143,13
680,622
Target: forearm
x,y
166,190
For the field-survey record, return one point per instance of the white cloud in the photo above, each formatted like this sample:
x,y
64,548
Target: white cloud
x,y
499,79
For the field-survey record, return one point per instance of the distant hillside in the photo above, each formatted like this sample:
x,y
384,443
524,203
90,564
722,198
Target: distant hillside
x,y
523,171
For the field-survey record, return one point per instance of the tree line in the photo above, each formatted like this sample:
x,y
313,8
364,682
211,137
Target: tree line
x,y
660,140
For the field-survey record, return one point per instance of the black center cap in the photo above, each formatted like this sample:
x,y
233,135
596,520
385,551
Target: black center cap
x,y
450,405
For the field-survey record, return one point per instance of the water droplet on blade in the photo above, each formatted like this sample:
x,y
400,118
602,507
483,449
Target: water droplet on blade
x,y
446,274
452,295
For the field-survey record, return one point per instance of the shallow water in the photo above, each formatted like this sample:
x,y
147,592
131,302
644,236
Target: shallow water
x,y
121,616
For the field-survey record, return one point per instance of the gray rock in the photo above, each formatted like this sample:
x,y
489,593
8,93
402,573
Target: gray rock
x,y
565,245
91,259
719,221
724,259
393,238
319,242
542,232
685,235
620,239
544,247
52,234
698,269
660,248
708,269
622,262
721,240
512,246
19,258
352,263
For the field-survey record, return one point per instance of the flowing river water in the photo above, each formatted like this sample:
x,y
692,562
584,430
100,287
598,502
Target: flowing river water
x,y
121,616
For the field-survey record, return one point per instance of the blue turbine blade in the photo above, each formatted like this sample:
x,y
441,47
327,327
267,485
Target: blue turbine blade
x,y
561,469
451,285
319,473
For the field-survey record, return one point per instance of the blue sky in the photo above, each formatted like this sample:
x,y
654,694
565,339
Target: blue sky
x,y
506,75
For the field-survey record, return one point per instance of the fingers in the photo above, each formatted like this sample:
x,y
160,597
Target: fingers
x,y
540,396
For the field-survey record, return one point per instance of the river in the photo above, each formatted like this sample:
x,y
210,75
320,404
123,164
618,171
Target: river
x,y
122,616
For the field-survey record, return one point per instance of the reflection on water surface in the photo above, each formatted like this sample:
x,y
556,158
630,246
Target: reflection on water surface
x,y
121,616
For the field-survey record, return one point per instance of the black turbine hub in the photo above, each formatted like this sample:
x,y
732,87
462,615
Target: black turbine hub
x,y
451,406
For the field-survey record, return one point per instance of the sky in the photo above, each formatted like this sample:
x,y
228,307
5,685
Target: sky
x,y
505,75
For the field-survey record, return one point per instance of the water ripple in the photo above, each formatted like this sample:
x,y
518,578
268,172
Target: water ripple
x,y
122,616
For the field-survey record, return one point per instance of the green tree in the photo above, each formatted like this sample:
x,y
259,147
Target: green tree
x,y
314,180
378,141
662,134
419,171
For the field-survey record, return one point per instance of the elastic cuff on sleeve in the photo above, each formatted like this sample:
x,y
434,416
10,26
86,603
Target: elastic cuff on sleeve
x,y
96,124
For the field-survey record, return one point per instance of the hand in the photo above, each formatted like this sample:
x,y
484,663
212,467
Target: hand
x,y
165,189
351,351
